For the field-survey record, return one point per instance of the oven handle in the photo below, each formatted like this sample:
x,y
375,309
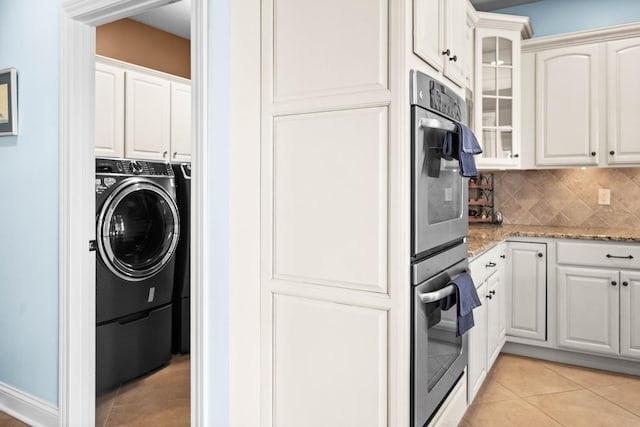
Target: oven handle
x,y
437,124
429,297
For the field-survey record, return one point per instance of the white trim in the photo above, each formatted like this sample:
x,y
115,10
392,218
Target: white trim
x,y
598,35
501,21
138,68
77,202
27,408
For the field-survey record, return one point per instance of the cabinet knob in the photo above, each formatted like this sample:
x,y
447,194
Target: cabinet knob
x,y
489,297
516,155
613,283
492,292
625,283
503,256
593,153
612,152
540,255
175,154
446,52
164,154
454,58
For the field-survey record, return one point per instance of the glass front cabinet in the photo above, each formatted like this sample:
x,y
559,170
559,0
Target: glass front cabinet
x,y
497,89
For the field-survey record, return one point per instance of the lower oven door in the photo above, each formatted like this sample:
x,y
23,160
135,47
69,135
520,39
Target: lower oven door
x,y
438,355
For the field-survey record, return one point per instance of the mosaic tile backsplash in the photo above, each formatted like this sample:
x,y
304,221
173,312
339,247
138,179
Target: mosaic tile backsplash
x,y
569,197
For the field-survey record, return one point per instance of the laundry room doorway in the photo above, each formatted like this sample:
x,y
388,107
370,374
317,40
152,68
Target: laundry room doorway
x,y
77,302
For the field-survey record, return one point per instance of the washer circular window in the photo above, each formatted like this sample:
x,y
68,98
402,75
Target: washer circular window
x,y
138,229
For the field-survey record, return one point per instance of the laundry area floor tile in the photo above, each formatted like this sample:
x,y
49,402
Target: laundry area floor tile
x,y
520,391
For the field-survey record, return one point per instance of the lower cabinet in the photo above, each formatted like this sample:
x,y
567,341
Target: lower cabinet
x,y
598,310
527,290
487,337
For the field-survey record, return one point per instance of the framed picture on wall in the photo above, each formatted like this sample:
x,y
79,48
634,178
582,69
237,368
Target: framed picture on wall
x,y
8,102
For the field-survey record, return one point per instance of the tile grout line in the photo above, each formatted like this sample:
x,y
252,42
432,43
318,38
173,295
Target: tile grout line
x,y
614,403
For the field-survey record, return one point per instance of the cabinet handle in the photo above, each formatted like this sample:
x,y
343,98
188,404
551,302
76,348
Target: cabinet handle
x,y
625,283
621,257
612,152
613,283
540,255
446,52
492,292
164,154
454,58
593,153
491,264
503,256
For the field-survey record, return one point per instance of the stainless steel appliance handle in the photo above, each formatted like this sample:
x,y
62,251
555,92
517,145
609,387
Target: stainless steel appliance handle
x,y
429,297
437,124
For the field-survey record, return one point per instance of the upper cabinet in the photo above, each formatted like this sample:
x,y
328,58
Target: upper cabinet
x,y
497,88
568,106
439,39
587,99
141,113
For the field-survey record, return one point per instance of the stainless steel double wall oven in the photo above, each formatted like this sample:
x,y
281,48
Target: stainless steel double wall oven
x,y
439,225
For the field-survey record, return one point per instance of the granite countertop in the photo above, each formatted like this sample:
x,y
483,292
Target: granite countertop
x,y
483,237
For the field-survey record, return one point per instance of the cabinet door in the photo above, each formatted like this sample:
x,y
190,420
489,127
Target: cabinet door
x,y
623,60
109,119
569,103
526,290
630,314
498,102
495,316
478,345
588,309
455,14
180,122
428,32
148,116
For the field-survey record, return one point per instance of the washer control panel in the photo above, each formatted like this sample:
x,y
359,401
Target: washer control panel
x,y
133,167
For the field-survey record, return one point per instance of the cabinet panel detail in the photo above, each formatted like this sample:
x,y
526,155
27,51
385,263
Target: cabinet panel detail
x,y
317,51
320,346
330,198
109,115
630,314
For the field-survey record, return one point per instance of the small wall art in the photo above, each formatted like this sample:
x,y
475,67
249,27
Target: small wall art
x,y
8,102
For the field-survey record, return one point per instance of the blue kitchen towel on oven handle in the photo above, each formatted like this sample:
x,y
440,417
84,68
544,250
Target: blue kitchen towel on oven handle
x,y
468,147
466,298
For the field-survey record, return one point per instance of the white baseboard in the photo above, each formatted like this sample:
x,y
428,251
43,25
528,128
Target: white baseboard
x,y
27,408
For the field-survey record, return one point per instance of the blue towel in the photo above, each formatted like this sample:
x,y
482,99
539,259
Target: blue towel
x,y
468,147
467,299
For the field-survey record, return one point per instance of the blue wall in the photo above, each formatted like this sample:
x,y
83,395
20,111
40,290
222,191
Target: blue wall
x,y
29,30
550,17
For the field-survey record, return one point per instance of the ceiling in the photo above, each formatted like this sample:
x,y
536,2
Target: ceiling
x,y
175,17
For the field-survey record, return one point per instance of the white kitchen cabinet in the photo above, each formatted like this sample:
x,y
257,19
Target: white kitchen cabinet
x,y
630,313
569,104
588,309
109,115
498,89
148,116
180,122
487,337
438,37
526,290
623,95
141,113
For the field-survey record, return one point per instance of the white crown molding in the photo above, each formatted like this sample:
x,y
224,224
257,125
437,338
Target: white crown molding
x,y
581,37
503,21
27,408
139,68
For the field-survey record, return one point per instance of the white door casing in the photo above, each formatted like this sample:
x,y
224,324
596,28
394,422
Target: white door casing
x,y
77,203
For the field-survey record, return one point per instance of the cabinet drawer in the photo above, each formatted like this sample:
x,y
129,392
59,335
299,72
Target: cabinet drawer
x,y
614,255
485,264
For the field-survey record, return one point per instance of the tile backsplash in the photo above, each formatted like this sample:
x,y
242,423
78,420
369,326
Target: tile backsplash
x,y
569,197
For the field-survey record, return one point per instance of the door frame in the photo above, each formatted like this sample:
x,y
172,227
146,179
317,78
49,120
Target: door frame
x,y
78,19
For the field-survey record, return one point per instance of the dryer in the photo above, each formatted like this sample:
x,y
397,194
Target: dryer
x,y
137,233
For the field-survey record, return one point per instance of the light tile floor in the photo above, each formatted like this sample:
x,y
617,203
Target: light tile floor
x,y
160,399
523,392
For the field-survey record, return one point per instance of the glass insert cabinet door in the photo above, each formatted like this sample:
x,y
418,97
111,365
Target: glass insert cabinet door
x,y
496,92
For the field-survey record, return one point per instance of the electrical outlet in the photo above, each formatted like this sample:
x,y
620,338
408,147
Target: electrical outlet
x,y
604,196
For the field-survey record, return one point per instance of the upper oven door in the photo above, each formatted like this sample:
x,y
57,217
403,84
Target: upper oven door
x,y
439,199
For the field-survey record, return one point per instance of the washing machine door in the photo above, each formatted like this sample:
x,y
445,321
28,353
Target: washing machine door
x,y
138,229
